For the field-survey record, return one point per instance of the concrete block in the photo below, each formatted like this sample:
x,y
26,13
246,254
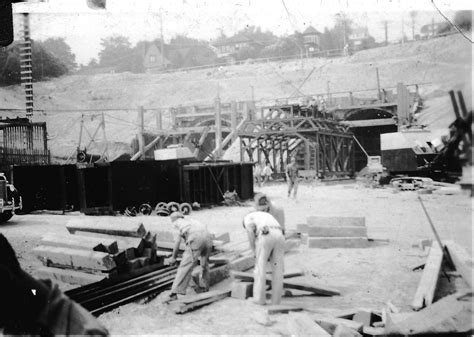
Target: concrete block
x,y
340,242
69,276
335,221
337,231
242,290
302,228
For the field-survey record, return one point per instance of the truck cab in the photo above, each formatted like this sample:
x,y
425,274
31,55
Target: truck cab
x,y
10,200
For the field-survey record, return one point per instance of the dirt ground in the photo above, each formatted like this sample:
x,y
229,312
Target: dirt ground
x,y
366,277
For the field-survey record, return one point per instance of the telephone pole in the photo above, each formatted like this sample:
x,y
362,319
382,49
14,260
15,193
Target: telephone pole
x,y
386,32
162,43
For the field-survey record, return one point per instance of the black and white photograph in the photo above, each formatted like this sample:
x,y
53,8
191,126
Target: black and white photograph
x,y
236,167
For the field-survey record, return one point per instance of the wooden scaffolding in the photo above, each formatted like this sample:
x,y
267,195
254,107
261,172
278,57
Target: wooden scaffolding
x,y
322,147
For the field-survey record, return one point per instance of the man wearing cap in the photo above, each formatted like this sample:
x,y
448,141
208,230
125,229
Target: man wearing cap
x,y
267,241
263,204
198,247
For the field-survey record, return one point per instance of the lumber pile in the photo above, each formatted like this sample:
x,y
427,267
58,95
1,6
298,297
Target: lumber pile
x,y
334,232
96,250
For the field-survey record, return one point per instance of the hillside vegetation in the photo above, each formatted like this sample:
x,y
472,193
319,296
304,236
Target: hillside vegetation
x,y
439,65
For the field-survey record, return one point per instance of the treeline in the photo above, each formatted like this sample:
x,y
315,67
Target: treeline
x,y
50,58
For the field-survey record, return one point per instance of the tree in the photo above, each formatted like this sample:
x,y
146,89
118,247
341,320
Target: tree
x,y
413,15
327,40
116,52
341,31
61,51
463,19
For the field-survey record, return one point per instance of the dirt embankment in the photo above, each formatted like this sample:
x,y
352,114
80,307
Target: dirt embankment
x,y
440,65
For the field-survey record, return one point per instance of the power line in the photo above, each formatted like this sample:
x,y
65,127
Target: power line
x,y
451,23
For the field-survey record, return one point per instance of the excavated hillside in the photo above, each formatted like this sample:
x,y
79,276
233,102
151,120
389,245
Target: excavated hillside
x,y
438,65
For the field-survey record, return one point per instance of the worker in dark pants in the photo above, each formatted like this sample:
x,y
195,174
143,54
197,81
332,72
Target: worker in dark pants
x,y
36,307
198,247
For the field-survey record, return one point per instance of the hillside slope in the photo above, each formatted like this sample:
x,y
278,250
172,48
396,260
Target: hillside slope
x,y
439,65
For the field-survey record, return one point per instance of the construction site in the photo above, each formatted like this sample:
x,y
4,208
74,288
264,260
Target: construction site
x,y
377,234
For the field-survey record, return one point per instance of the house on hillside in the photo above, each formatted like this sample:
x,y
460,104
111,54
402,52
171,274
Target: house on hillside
x,y
191,56
311,41
228,48
360,39
154,60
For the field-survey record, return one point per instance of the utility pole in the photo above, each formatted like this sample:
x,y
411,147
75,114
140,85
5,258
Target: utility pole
x,y
403,30
26,72
141,129
378,83
162,42
386,32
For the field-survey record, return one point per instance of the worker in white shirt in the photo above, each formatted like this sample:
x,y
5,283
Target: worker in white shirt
x,y
268,243
198,247
263,204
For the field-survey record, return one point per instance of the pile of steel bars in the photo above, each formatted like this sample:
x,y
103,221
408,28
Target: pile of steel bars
x,y
103,296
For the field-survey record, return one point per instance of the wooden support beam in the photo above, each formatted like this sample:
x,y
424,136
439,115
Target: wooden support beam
x,y
218,125
313,288
429,279
75,258
462,261
80,242
69,276
117,227
369,122
189,303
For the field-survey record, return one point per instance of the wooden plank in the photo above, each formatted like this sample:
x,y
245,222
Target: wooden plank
x,y
462,261
330,323
313,288
75,258
282,309
369,122
193,302
449,315
300,324
335,221
69,276
80,242
123,242
121,227
429,279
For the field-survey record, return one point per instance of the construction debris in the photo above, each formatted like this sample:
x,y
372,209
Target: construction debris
x,y
192,302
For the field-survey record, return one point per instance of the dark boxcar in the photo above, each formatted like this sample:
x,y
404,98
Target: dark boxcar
x,y
52,187
206,183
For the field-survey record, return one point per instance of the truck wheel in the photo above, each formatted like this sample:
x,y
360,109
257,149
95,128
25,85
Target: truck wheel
x,y
185,208
5,216
173,207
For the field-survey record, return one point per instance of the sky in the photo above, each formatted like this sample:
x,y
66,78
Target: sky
x,y
83,28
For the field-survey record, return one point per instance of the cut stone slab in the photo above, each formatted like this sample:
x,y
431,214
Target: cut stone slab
x,y
69,276
337,221
339,242
337,231
80,242
75,258
301,324
241,290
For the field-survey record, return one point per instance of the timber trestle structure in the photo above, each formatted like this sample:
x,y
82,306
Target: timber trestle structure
x,y
322,147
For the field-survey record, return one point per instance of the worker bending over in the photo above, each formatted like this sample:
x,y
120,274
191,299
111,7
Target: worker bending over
x,y
268,244
37,307
263,204
198,247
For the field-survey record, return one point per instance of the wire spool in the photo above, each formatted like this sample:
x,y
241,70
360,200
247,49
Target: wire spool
x,y
161,205
130,211
185,208
145,209
162,212
173,207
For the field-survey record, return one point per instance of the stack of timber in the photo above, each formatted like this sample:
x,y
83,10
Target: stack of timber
x,y
95,250
334,232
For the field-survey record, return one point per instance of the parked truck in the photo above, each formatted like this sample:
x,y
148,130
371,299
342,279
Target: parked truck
x,y
10,200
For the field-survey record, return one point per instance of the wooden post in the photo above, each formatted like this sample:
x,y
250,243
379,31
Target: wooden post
x,y
141,127
328,93
351,97
378,84
218,128
307,155
173,117
403,105
233,118
159,125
